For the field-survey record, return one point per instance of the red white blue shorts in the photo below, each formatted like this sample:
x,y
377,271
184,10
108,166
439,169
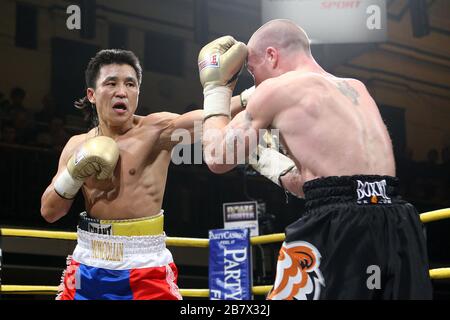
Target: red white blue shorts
x,y
119,268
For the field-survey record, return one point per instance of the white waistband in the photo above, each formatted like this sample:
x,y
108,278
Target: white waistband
x,y
121,252
131,245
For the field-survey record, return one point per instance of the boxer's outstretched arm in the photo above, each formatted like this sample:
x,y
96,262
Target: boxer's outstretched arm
x,y
190,122
235,106
53,206
176,128
228,143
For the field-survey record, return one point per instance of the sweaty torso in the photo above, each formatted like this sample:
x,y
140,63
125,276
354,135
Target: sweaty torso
x,y
332,127
137,187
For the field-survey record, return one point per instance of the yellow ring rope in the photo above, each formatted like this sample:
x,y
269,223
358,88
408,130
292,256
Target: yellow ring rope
x,y
170,241
435,215
62,235
191,242
52,290
44,290
38,234
270,238
440,273
187,242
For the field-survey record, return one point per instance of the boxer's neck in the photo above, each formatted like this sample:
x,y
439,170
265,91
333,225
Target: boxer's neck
x,y
308,65
112,131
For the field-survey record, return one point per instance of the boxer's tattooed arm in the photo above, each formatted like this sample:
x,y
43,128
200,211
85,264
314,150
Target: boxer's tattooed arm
x,y
232,136
235,138
349,92
248,120
239,134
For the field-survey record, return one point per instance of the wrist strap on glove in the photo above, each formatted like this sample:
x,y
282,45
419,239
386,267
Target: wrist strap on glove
x,y
245,95
66,186
272,164
217,101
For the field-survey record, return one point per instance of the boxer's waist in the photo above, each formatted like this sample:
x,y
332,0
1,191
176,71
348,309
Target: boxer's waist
x,y
147,226
120,252
357,189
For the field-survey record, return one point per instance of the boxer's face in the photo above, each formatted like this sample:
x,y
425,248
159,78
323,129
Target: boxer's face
x,y
258,67
116,93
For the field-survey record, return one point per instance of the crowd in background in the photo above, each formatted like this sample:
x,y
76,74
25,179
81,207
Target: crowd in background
x,y
45,128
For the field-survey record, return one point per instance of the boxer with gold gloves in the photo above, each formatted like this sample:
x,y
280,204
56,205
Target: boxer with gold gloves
x,y
121,167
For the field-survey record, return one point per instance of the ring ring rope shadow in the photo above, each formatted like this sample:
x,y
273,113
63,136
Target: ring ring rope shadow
x,y
431,216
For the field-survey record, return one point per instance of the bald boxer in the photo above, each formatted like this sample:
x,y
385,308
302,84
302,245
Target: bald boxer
x,y
120,166
357,239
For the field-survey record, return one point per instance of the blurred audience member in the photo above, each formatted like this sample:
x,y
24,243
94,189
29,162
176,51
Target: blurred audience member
x,y
8,133
48,111
17,96
58,133
23,123
54,137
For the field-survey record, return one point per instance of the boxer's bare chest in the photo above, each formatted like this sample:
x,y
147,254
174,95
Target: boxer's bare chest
x,y
140,162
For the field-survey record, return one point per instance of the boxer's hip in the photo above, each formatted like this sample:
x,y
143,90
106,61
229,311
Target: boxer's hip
x,y
349,190
122,244
351,202
147,226
120,259
352,223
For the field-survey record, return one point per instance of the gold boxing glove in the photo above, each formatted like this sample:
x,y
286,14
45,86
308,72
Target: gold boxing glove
x,y
98,156
220,62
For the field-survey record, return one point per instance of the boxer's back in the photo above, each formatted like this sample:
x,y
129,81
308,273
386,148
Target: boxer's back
x,y
332,126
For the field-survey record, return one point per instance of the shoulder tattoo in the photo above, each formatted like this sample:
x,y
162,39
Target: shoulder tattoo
x,y
348,91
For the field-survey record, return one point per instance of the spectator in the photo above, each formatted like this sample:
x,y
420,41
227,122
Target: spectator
x,y
17,96
55,136
48,111
23,123
8,133
43,139
58,133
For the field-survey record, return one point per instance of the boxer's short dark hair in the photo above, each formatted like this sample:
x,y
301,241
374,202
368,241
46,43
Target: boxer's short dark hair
x,y
103,58
111,56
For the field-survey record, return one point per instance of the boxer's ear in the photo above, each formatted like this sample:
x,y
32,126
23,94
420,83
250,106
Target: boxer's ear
x,y
272,56
90,93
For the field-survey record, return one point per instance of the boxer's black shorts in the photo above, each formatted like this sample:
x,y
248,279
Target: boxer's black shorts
x,y
357,240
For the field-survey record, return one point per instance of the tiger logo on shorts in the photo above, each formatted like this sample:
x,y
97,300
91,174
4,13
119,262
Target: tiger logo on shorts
x,y
298,274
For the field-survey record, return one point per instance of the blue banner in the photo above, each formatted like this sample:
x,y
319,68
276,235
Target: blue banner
x,y
230,272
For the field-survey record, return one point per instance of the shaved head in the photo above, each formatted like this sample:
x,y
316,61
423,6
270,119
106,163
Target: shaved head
x,y
279,46
281,34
